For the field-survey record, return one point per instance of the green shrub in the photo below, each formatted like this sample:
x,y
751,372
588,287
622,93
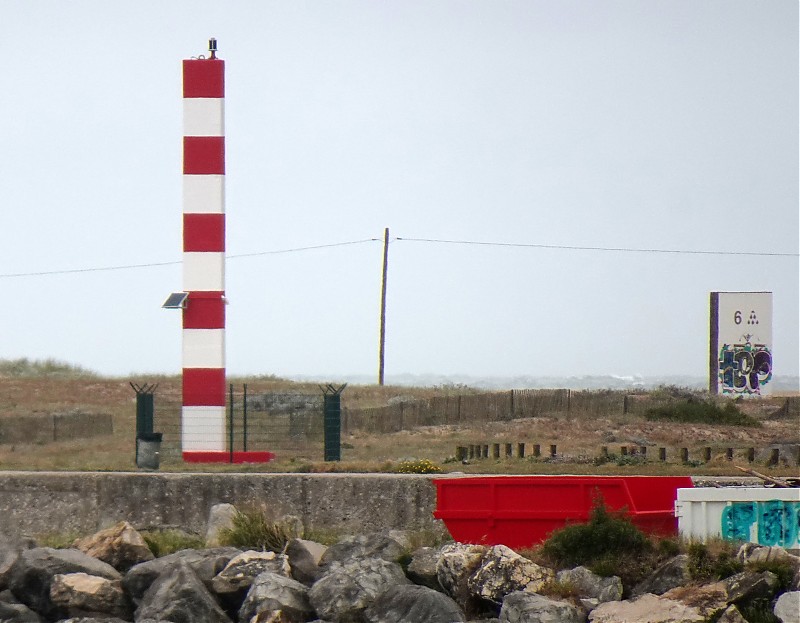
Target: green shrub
x,y
163,542
759,611
606,538
701,412
252,529
783,569
420,466
713,561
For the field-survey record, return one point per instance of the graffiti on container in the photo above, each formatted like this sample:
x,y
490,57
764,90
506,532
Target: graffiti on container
x,y
776,522
744,368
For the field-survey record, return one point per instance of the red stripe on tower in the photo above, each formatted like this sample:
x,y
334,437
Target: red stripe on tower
x,y
203,412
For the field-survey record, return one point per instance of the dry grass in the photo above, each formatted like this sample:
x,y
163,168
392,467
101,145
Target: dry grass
x,y
578,436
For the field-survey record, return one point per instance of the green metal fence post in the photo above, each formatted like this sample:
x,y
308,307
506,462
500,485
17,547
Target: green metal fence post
x,y
332,421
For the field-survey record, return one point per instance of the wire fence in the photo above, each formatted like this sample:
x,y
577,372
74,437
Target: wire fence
x,y
291,421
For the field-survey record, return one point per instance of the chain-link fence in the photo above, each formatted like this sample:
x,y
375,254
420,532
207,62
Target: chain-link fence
x,y
263,419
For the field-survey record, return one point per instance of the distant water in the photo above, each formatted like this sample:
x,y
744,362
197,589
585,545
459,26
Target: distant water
x,y
777,384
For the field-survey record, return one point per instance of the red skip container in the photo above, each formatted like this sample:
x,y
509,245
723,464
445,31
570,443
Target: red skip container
x,y
520,511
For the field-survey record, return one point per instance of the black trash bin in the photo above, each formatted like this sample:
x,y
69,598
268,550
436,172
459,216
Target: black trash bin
x,y
148,450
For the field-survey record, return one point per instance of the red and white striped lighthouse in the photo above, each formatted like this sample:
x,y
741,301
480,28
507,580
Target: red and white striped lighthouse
x,y
203,411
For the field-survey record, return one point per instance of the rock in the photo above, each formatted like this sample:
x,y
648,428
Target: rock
x,y
121,546
671,574
708,599
592,586
376,545
422,568
102,620
32,574
731,615
304,557
12,611
749,585
647,608
524,607
502,571
273,593
413,604
787,607
345,590
179,595
220,517
456,564
9,552
206,563
239,573
754,553
80,594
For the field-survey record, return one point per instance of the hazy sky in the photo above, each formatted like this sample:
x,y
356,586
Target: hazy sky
x,y
669,125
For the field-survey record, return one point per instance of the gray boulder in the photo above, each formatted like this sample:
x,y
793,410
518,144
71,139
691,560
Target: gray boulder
x,y
523,607
592,586
9,552
220,518
179,595
502,571
749,585
671,574
347,589
422,568
239,573
206,563
80,594
413,604
457,562
13,611
304,557
787,607
732,614
101,620
646,608
271,593
121,546
376,545
32,574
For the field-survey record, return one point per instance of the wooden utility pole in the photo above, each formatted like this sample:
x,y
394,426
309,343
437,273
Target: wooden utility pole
x,y
382,347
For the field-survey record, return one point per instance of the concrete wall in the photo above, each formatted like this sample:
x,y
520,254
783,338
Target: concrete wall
x,y
38,503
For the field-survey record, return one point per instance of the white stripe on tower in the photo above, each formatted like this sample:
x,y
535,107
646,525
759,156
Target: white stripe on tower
x,y
203,413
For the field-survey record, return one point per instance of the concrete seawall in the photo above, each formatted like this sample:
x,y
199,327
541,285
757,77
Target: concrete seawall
x,y
39,503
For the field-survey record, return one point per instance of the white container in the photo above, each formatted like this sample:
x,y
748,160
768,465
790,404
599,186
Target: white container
x,y
767,516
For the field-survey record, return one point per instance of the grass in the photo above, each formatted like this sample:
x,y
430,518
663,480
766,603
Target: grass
x,y
31,387
164,542
252,529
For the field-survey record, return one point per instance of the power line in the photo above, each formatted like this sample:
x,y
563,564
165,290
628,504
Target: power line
x,y
173,263
586,248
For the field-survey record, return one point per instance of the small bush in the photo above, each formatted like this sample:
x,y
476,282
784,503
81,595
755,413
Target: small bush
x,y
701,412
606,537
164,542
715,560
759,611
421,466
251,529
783,569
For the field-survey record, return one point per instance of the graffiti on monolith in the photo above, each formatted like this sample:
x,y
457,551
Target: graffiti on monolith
x,y
744,368
776,522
